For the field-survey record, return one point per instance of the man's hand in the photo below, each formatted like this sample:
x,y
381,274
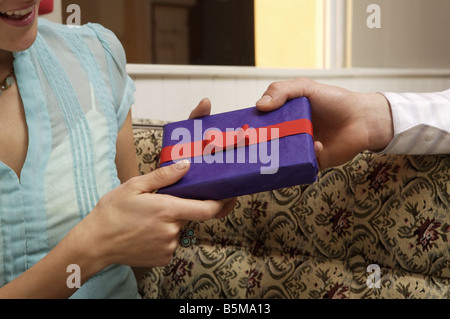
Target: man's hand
x,y
345,123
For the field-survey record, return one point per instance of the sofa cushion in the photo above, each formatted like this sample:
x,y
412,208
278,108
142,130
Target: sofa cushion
x,y
378,212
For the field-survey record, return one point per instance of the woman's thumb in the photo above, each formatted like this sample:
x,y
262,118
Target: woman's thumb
x,y
165,176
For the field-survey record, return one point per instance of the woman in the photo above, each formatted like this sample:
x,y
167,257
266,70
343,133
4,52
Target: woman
x,y
70,193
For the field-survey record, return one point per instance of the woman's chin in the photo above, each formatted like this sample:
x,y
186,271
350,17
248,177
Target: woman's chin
x,y
21,43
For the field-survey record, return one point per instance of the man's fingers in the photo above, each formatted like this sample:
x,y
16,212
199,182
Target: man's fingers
x,y
279,92
318,148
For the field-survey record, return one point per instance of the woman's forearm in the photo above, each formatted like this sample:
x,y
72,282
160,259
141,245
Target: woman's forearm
x,y
51,277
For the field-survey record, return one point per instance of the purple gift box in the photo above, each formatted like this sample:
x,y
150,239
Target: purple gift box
x,y
242,152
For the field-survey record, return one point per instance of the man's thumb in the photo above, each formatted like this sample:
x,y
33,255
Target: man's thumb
x,y
166,176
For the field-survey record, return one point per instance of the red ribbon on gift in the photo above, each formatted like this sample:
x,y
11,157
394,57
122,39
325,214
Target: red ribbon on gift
x,y
216,141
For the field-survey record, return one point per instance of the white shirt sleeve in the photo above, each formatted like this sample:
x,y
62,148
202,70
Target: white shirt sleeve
x,y
421,123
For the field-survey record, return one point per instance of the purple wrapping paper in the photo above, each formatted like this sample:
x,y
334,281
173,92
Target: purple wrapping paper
x,y
280,163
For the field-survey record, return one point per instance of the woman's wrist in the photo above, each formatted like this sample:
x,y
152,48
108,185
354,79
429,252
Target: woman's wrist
x,y
51,277
85,249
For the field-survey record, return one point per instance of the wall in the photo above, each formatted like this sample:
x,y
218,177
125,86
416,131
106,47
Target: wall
x,y
170,92
287,34
413,33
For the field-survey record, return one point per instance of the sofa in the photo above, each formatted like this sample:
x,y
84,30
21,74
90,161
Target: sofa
x,y
376,227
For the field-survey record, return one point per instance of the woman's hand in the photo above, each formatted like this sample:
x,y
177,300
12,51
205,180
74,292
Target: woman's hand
x,y
345,123
133,226
203,109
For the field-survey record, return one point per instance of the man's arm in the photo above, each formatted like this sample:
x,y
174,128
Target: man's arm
x,y
421,123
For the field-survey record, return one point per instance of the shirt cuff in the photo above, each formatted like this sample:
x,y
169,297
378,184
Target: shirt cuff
x,y
421,123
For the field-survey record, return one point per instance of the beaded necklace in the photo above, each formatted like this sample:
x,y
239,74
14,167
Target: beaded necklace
x,y
7,82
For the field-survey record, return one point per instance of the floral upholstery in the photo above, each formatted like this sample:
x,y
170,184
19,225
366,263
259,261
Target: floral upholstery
x,y
376,215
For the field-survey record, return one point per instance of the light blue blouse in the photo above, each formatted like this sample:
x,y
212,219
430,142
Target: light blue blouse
x,y
76,94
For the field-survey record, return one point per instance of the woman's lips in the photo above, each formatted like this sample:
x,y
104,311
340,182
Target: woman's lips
x,y
19,18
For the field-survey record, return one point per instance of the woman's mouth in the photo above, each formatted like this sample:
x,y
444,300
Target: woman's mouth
x,y
19,17
19,14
